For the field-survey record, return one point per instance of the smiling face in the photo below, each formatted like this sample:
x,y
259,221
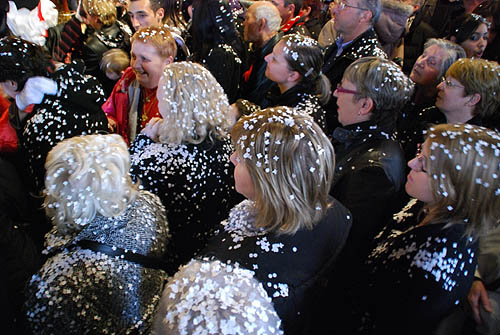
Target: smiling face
x,y
426,70
147,63
242,179
418,184
475,45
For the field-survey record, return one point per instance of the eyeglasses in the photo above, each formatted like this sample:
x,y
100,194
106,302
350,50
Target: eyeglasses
x,y
341,4
449,83
340,89
421,159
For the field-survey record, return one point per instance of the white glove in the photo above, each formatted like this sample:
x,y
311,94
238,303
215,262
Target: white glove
x,y
34,90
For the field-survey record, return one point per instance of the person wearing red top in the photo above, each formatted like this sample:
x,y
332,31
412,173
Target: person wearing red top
x,y
133,102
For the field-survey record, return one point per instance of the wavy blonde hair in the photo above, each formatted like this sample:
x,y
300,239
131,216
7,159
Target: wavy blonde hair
x,y
105,10
291,163
464,167
192,103
87,175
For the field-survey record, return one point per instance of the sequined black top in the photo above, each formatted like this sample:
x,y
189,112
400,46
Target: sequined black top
x,y
417,274
79,291
194,182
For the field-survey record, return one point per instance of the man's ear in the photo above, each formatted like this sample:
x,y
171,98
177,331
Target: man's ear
x,y
160,14
366,16
262,24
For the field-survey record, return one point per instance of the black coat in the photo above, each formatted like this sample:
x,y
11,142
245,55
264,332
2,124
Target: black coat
x,y
255,88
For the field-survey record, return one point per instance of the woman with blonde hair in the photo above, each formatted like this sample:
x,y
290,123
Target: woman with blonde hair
x,y
184,156
104,271
262,273
424,260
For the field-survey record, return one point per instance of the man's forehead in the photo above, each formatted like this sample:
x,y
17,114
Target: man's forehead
x,y
139,6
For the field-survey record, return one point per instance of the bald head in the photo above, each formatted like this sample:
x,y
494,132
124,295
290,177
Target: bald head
x,y
262,21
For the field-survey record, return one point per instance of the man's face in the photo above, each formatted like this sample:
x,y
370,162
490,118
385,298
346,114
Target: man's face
x,y
147,63
142,15
286,12
250,26
347,19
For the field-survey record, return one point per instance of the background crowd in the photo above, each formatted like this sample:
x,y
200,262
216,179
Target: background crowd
x,y
250,167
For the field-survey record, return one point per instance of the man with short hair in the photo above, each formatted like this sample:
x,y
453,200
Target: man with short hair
x,y
356,38
261,28
292,20
133,103
145,13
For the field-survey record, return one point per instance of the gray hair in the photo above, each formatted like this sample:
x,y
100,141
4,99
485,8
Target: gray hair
x,y
453,50
374,6
266,10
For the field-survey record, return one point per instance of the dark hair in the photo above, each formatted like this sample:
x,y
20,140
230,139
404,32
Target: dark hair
x,y
465,25
298,5
174,13
155,4
21,60
213,24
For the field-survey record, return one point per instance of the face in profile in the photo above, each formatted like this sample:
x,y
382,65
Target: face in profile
x,y
277,66
418,184
242,179
426,70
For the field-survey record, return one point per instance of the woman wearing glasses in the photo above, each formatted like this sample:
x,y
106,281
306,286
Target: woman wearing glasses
x,y
424,260
470,93
369,174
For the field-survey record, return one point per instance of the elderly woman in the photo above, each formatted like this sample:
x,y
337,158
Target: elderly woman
x,y
470,31
247,280
427,72
424,261
295,66
470,93
104,269
51,103
184,157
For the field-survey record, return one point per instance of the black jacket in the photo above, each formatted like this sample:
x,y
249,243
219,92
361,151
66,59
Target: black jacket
x,y
299,262
255,88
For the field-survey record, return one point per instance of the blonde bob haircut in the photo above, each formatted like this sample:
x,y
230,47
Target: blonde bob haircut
x,y
192,103
464,167
86,176
479,76
159,37
105,10
383,81
291,163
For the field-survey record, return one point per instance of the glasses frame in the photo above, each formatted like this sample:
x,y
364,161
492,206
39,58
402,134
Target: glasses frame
x,y
342,5
340,89
448,83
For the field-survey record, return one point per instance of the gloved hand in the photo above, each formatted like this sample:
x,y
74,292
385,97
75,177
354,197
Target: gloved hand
x,y
34,90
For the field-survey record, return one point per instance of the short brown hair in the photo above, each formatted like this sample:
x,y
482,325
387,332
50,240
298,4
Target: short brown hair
x,y
159,37
105,10
482,77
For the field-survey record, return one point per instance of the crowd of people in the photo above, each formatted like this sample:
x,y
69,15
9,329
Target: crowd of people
x,y
250,167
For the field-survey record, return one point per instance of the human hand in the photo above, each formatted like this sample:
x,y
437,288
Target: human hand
x,y
151,129
34,91
111,125
478,296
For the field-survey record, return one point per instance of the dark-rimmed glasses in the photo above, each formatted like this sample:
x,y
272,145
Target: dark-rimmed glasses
x,y
340,89
341,4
